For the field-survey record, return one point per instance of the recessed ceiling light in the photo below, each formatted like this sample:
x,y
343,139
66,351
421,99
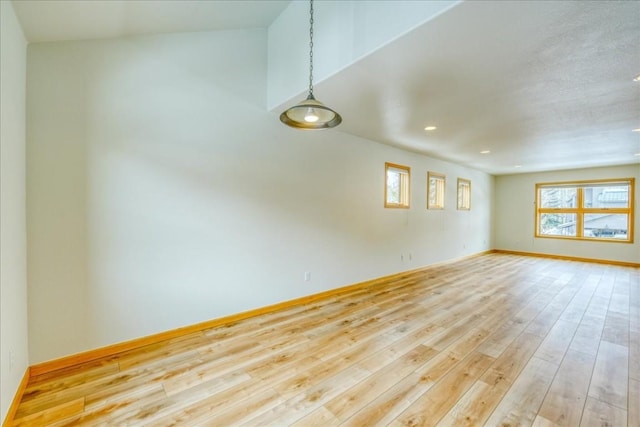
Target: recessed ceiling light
x,y
517,166
637,154
485,151
636,130
637,78
430,128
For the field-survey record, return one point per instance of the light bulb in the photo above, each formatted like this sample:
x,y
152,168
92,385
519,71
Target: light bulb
x,y
311,116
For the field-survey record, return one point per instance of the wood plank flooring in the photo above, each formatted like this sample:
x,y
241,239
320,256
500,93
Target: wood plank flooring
x,y
495,340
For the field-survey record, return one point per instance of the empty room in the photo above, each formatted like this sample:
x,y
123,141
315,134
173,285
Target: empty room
x,y
319,213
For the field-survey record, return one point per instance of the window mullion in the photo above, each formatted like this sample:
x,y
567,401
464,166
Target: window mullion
x,y
580,213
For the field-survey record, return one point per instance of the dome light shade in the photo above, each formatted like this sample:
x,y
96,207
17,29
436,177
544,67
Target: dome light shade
x,y
310,114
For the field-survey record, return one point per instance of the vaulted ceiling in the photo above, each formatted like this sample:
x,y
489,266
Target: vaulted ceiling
x,y
540,85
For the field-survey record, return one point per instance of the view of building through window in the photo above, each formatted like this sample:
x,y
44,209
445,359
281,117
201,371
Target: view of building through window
x,y
593,210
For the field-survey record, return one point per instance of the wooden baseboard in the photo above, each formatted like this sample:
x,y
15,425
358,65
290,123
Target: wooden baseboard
x,y
112,350
568,258
11,413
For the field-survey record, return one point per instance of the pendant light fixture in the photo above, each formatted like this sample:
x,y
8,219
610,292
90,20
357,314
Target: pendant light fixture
x,y
310,114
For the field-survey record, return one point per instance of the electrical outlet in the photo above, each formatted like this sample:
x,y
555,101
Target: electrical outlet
x,y
307,276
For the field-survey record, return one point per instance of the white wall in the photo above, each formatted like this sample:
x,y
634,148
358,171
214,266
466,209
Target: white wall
x,y
13,238
161,193
515,216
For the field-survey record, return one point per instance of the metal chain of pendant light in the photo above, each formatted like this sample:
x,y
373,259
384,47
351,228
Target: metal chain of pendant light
x,y
310,114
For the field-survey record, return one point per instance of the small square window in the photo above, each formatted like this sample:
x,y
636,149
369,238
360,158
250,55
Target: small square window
x,y
464,194
396,188
435,190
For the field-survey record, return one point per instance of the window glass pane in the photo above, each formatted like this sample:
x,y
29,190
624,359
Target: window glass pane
x,y
464,194
396,186
560,197
393,186
436,191
557,224
606,226
594,210
432,191
606,197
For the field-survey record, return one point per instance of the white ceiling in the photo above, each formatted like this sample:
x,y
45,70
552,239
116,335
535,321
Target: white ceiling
x,y
543,85
55,20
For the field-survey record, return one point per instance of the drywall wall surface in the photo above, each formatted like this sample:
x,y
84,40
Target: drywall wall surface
x,y
515,216
344,31
162,193
14,357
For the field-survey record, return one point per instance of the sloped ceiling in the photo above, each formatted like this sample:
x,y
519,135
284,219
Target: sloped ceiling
x,y
56,20
541,85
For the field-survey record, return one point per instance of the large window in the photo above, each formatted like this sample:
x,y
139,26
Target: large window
x,y
435,190
396,188
593,210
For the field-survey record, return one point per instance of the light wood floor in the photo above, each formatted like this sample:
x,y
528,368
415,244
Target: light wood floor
x,y
496,340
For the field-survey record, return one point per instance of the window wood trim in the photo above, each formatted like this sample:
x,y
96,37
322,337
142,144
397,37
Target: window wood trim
x,y
405,187
440,198
463,206
580,211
